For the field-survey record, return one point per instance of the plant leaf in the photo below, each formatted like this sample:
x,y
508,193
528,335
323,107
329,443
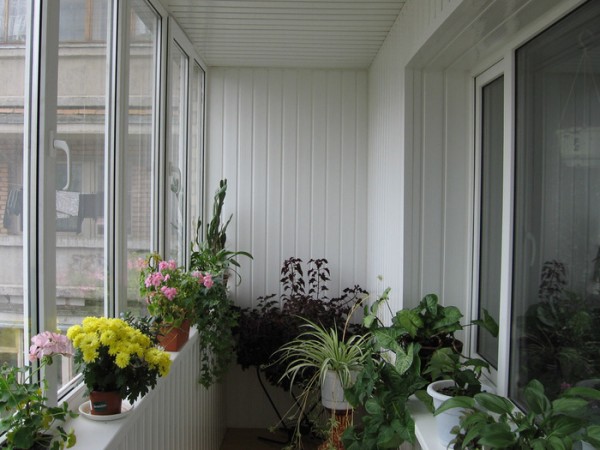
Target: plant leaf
x,y
494,403
455,402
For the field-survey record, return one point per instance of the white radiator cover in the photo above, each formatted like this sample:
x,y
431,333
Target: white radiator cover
x,y
179,414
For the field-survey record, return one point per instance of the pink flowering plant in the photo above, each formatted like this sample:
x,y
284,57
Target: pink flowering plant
x,y
26,419
172,294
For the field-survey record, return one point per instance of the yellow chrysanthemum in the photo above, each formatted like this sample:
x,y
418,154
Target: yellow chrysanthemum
x,y
73,331
108,337
122,360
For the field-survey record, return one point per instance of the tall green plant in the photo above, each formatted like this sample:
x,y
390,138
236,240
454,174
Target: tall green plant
x,y
209,251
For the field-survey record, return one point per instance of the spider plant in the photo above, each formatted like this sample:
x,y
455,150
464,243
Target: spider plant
x,y
314,353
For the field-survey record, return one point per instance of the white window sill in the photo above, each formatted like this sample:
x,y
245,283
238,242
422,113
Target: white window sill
x,y
425,428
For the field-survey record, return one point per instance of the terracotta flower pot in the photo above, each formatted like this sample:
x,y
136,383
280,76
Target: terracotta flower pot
x,y
105,403
172,339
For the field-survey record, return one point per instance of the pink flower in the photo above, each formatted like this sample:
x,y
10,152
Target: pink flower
x,y
168,292
197,274
208,281
48,344
167,265
154,279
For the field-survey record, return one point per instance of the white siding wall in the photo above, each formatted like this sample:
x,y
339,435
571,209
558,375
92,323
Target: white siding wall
x,y
293,147
388,139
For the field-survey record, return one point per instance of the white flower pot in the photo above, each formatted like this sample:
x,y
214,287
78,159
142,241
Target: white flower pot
x,y
450,418
332,392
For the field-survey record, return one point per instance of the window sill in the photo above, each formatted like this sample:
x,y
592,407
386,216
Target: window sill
x,y
425,428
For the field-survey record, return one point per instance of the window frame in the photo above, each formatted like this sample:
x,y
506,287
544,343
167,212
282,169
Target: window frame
x,y
506,56
479,82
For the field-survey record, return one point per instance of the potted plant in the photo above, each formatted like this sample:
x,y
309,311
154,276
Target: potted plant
x,y
209,252
327,360
117,362
385,386
276,321
27,421
492,421
216,316
456,375
174,297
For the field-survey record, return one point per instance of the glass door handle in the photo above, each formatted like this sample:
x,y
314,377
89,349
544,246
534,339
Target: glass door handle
x,y
59,144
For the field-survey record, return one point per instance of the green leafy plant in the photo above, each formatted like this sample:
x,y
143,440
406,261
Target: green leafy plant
x,y
383,388
492,421
26,418
446,363
209,252
216,318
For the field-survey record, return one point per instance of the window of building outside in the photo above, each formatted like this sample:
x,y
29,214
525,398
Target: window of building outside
x,y
555,267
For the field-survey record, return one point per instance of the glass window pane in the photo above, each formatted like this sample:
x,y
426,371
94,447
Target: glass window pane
x,y
556,281
17,20
73,24
12,193
196,145
100,23
139,153
176,153
492,141
3,20
80,214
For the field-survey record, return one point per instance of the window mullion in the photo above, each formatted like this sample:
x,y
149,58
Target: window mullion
x,y
42,129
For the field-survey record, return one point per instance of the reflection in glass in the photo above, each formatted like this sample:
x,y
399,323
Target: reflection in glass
x,y
139,152
176,154
196,145
556,281
12,189
81,122
492,143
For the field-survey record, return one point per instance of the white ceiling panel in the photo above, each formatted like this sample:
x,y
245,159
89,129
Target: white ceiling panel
x,y
287,33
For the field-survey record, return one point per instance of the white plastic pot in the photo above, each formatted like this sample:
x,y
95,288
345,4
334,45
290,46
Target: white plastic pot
x,y
332,392
448,419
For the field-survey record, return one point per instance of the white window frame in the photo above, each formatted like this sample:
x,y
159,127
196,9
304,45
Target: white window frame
x,y
480,81
176,37
506,57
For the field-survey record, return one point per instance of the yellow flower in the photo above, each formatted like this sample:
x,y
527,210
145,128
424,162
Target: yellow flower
x,y
122,360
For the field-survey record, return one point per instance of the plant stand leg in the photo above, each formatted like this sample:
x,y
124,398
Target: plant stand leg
x,y
341,421
285,428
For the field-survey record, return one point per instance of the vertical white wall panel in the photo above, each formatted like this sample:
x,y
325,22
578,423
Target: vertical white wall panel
x,y
390,108
293,146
